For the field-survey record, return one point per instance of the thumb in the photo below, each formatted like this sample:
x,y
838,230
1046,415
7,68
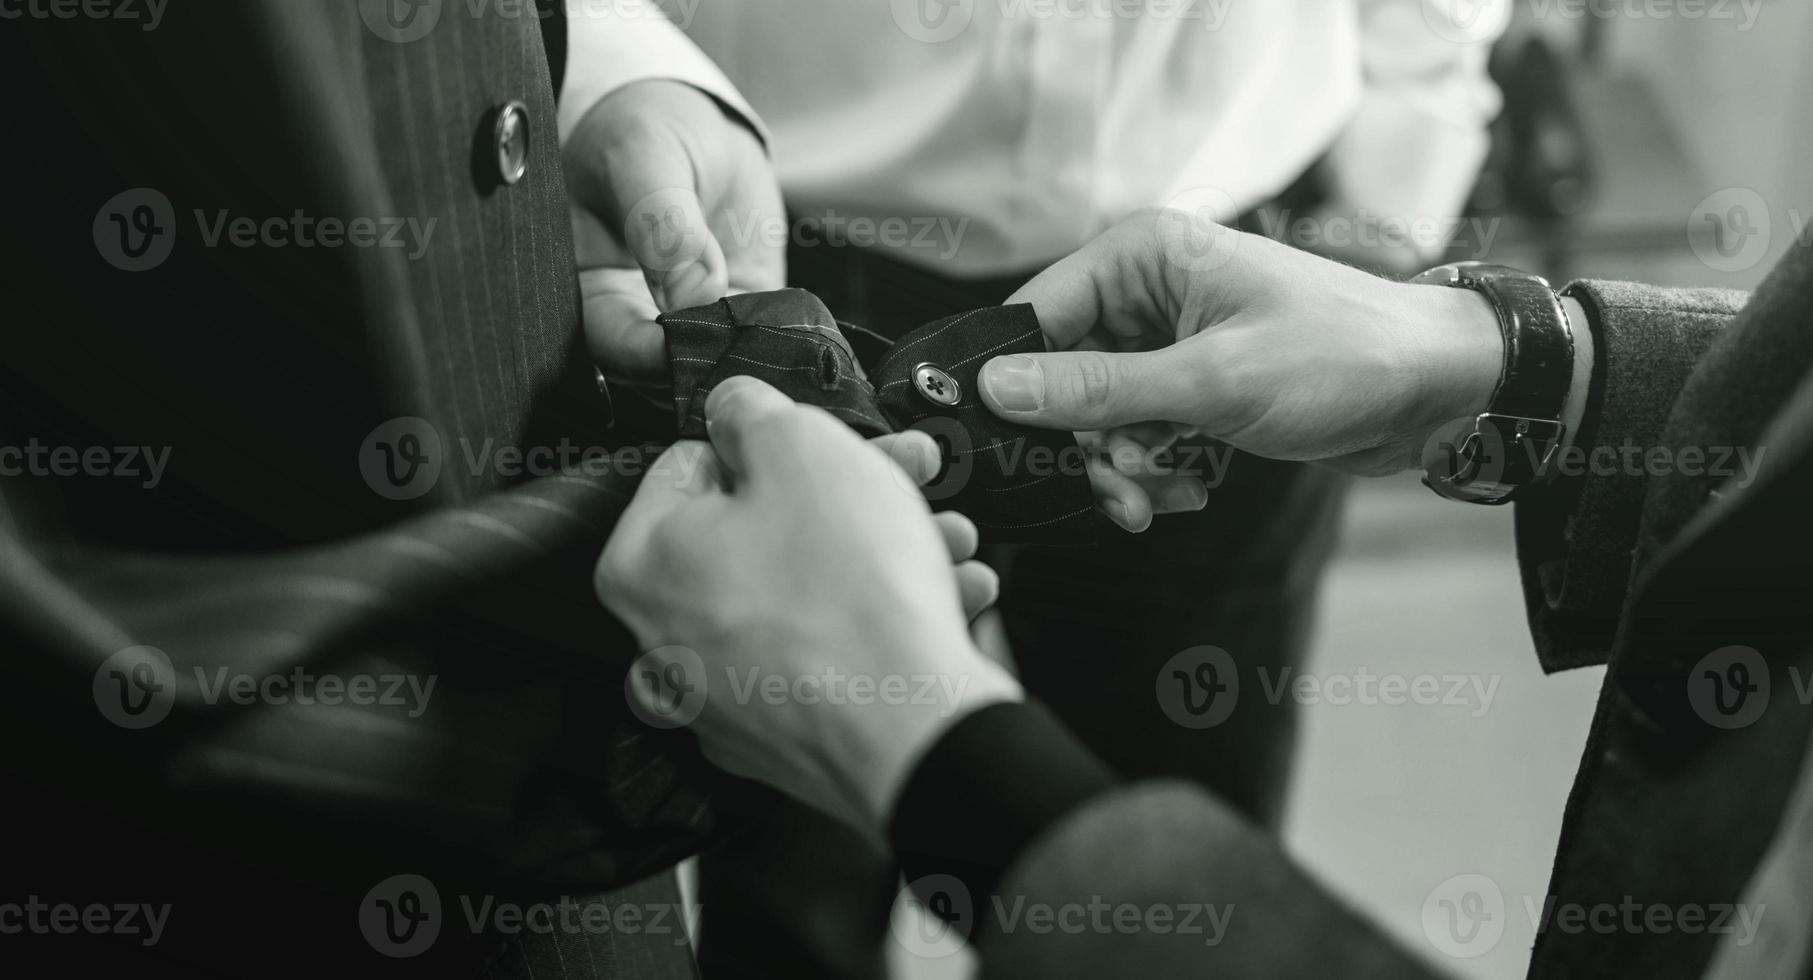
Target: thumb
x,y
752,424
1089,390
648,195
687,472
685,475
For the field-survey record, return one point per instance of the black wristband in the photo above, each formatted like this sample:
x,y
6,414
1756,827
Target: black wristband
x,y
996,781
1507,448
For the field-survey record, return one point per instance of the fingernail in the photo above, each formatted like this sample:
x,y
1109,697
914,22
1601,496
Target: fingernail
x,y
1182,500
1017,383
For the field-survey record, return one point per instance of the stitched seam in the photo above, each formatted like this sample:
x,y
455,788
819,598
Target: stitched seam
x,y
896,352
859,327
1021,527
983,449
1025,336
778,367
1022,486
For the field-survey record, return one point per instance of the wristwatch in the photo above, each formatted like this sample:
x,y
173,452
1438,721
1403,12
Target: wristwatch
x,y
1494,456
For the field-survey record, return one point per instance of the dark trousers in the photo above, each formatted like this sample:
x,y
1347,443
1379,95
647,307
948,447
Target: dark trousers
x,y
1093,632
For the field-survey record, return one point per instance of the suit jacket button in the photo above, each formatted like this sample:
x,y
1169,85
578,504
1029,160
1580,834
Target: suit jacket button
x,y
936,385
511,141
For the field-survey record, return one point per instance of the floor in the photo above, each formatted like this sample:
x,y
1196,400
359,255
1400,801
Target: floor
x,y
1392,804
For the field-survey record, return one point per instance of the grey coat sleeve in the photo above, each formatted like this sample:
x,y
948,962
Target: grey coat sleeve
x,y
1576,538
1162,880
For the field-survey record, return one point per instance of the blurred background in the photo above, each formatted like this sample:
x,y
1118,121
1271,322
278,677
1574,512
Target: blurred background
x,y
1685,165
1667,149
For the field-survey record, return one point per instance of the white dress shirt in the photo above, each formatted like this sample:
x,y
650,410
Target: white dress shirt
x,y
1010,132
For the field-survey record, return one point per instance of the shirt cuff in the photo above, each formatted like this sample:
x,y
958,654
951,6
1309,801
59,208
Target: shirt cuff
x,y
986,791
611,45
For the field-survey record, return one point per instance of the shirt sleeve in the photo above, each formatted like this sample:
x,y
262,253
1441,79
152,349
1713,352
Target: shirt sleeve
x,y
612,44
987,789
1414,147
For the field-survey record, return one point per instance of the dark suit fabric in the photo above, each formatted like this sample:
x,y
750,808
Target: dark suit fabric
x,y
263,370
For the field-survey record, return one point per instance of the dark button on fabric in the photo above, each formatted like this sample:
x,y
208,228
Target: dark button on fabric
x,y
512,143
937,385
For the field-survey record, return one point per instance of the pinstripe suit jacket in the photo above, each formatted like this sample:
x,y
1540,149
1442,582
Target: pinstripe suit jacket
x,y
272,367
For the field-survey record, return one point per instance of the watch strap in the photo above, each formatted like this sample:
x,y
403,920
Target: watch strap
x,y
1539,347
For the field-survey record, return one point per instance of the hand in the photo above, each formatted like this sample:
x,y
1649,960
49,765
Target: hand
x,y
1169,322
918,456
1353,236
787,549
675,204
